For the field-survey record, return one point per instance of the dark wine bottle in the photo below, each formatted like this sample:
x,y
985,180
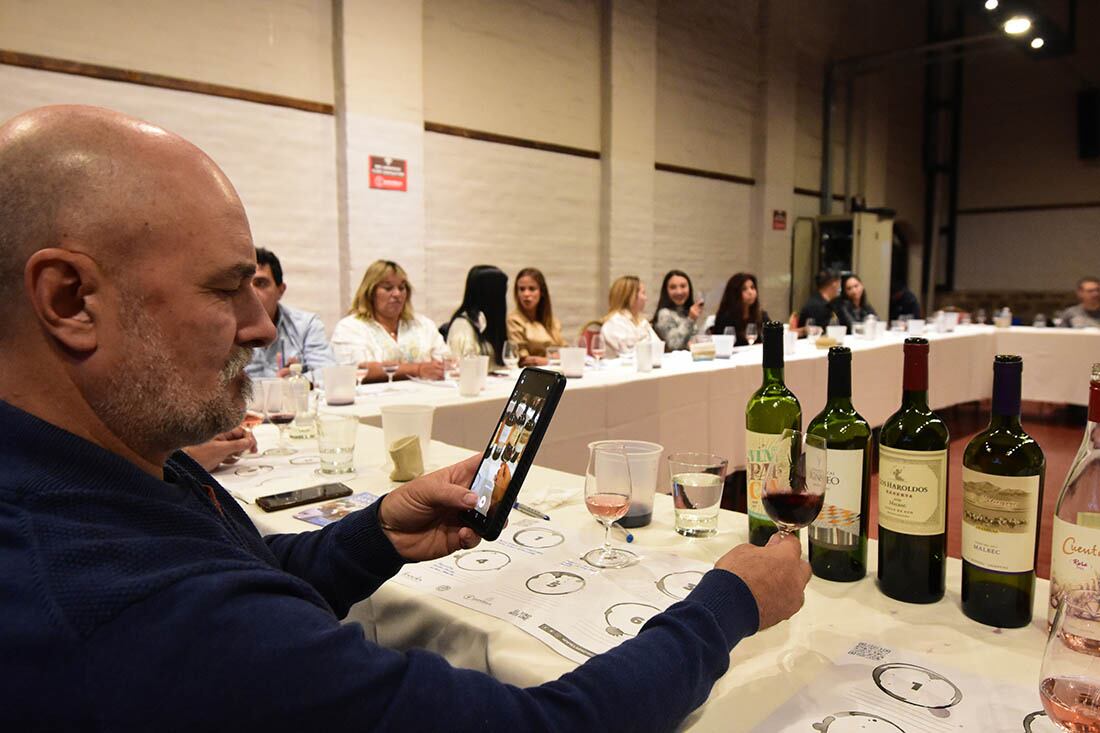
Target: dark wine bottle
x,y
838,539
912,490
772,409
1003,471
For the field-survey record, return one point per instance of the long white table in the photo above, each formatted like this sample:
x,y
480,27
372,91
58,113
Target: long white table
x,y
689,405
766,670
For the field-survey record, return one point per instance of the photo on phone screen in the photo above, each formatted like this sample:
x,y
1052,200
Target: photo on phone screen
x,y
532,402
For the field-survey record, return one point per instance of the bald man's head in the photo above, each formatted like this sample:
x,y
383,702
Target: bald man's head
x,y
95,181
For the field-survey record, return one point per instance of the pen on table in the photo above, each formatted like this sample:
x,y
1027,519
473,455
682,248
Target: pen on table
x,y
622,532
530,511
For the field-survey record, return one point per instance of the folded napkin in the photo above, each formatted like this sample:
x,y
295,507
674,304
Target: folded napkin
x,y
408,463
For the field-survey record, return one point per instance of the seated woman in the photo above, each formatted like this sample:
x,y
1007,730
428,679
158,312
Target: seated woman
x,y
532,326
624,325
852,306
675,320
739,307
381,327
478,326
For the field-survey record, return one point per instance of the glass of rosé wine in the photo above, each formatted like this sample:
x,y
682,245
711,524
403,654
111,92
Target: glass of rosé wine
x,y
1070,678
607,490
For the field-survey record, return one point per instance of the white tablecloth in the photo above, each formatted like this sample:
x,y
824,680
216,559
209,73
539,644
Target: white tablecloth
x,y
689,405
766,669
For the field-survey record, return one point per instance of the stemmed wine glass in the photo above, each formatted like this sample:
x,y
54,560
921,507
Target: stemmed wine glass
x,y
1070,677
510,356
280,407
607,491
750,333
390,366
598,349
794,482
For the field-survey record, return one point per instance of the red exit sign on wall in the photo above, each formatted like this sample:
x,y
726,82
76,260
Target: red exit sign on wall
x,y
387,174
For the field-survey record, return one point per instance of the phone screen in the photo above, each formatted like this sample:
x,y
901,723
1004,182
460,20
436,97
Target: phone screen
x,y
535,390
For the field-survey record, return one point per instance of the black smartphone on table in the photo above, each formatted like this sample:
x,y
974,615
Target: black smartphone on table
x,y
512,449
298,497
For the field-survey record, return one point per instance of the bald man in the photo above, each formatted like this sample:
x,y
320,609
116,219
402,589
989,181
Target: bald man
x,y
134,592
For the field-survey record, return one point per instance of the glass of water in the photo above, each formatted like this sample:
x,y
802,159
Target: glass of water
x,y
510,356
697,483
336,441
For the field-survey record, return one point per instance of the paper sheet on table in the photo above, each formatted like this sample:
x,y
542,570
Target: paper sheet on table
x,y
881,690
534,578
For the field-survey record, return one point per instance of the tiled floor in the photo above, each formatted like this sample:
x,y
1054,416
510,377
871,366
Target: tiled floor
x,y
1056,434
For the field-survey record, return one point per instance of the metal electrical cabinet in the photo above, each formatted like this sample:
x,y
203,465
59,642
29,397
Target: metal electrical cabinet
x,y
859,243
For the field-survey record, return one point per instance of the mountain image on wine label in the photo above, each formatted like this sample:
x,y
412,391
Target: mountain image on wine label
x,y
999,509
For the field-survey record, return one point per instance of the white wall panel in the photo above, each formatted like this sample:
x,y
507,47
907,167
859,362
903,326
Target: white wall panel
x,y
513,208
276,46
281,161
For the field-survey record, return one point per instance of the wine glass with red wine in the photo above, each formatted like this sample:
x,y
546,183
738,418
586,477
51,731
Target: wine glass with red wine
x,y
608,487
1070,678
793,491
280,407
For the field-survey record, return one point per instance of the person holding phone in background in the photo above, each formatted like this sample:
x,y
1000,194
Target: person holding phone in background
x,y
151,572
676,319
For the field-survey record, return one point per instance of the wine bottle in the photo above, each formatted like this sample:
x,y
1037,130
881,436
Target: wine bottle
x,y
838,538
772,409
912,490
1075,557
1003,470
518,421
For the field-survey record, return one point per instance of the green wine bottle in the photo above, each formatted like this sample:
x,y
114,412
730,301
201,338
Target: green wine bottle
x,y
838,539
1003,472
772,409
912,490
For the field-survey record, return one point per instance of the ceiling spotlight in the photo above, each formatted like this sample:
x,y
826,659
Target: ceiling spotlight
x,y
991,4
1017,24
1036,42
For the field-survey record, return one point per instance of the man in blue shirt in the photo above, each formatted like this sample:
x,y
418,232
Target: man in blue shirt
x,y
135,595
299,335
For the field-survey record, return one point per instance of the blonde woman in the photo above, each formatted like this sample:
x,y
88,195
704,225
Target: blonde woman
x,y
381,327
532,326
624,325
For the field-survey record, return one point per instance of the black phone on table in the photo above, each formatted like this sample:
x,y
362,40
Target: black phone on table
x,y
298,497
512,449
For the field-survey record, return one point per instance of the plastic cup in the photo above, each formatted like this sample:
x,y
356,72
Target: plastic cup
x,y
339,384
697,483
643,356
336,442
636,462
837,333
400,421
723,345
572,361
471,375
658,348
916,326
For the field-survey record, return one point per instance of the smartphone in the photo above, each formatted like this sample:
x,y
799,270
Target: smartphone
x,y
512,448
308,495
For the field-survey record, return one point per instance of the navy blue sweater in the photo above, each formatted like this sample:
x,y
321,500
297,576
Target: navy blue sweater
x,y
131,603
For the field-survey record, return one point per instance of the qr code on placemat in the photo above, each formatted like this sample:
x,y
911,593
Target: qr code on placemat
x,y
869,651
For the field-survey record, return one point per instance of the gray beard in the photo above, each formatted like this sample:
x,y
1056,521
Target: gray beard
x,y
149,405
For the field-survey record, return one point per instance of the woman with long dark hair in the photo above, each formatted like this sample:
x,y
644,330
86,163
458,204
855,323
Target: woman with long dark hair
x,y
532,326
677,314
478,325
852,306
739,307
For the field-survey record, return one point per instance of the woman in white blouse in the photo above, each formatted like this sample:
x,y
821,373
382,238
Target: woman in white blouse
x,y
624,325
381,327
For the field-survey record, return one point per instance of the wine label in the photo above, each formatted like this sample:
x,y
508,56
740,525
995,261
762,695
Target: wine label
x,y
837,527
912,486
759,447
1074,561
999,521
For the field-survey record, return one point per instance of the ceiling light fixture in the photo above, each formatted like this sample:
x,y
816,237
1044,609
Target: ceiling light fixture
x,y
1037,43
1017,24
991,4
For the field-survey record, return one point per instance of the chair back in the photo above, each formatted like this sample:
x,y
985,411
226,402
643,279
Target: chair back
x,y
590,329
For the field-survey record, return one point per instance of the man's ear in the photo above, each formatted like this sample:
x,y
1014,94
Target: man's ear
x,y
64,288
282,289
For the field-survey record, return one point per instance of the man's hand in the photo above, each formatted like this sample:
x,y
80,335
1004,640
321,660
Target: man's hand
x,y
421,518
285,371
776,574
224,448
